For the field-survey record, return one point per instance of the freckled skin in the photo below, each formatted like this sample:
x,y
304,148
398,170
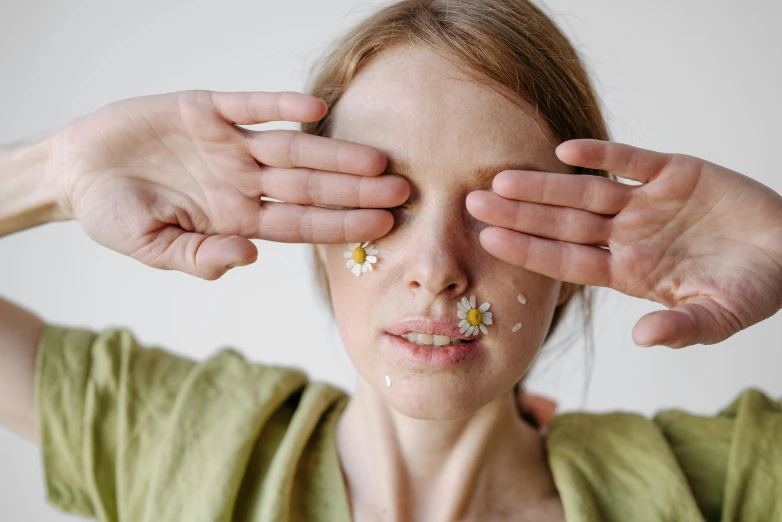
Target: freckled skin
x,y
414,105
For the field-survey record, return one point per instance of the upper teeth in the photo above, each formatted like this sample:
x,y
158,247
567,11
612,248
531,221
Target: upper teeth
x,y
429,339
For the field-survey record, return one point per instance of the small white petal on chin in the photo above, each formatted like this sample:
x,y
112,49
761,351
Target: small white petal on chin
x,y
461,314
483,329
484,307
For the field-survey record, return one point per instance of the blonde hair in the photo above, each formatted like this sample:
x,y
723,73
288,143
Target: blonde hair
x,y
510,43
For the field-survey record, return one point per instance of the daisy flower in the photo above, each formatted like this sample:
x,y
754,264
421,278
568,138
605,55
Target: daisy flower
x,y
360,257
472,317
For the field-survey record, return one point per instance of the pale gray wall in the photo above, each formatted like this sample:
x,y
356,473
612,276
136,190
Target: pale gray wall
x,y
698,77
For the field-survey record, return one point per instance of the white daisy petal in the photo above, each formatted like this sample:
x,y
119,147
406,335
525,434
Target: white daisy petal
x,y
364,267
466,304
465,327
487,321
373,251
352,246
372,259
461,314
475,330
369,266
483,329
348,254
485,316
463,322
472,301
365,244
461,307
350,263
356,269
483,307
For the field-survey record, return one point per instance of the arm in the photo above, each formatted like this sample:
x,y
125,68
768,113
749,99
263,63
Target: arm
x,y
196,210
27,199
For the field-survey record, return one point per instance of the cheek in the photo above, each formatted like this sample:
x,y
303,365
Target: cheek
x,y
352,298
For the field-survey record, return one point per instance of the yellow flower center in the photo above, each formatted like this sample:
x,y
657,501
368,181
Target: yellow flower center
x,y
474,316
359,255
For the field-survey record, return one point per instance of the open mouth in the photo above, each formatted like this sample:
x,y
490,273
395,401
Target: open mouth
x,y
435,341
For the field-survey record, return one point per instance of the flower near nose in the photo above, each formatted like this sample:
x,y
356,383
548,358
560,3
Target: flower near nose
x,y
473,318
360,257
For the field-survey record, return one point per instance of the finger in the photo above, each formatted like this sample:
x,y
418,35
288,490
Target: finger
x,y
207,257
288,149
562,223
248,108
618,158
289,223
578,264
700,321
585,192
315,187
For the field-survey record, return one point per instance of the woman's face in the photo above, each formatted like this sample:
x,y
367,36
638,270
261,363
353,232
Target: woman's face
x,y
419,110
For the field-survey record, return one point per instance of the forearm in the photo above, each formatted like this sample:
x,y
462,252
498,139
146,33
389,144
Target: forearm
x,y
20,331
29,194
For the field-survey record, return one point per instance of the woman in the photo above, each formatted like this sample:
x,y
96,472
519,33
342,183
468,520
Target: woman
x,y
463,107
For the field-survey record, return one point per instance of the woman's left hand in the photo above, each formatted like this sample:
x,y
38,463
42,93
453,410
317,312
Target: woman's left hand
x,y
701,239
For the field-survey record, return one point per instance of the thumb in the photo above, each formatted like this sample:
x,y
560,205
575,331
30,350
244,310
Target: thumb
x,y
207,257
699,321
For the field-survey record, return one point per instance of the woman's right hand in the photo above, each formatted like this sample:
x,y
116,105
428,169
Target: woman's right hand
x,y
171,181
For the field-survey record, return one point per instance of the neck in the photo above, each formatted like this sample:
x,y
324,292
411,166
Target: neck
x,y
401,468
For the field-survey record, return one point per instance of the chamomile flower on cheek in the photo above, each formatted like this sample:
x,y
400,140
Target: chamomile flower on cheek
x,y
360,257
473,318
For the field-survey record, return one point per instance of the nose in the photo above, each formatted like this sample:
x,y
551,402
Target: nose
x,y
437,253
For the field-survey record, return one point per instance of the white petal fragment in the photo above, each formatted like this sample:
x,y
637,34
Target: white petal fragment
x,y
461,314
517,327
522,299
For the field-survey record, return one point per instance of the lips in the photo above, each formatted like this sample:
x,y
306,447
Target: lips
x,y
427,325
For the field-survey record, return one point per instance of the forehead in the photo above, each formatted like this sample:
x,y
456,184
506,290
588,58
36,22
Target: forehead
x,y
421,110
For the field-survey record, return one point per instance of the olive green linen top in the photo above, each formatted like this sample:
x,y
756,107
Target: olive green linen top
x,y
136,433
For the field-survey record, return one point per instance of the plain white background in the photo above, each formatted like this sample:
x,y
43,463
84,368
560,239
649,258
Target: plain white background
x,y
698,77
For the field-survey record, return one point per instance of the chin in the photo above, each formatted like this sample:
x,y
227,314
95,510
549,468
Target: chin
x,y
426,401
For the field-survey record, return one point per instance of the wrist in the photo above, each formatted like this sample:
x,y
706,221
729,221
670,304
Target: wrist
x,y
29,192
